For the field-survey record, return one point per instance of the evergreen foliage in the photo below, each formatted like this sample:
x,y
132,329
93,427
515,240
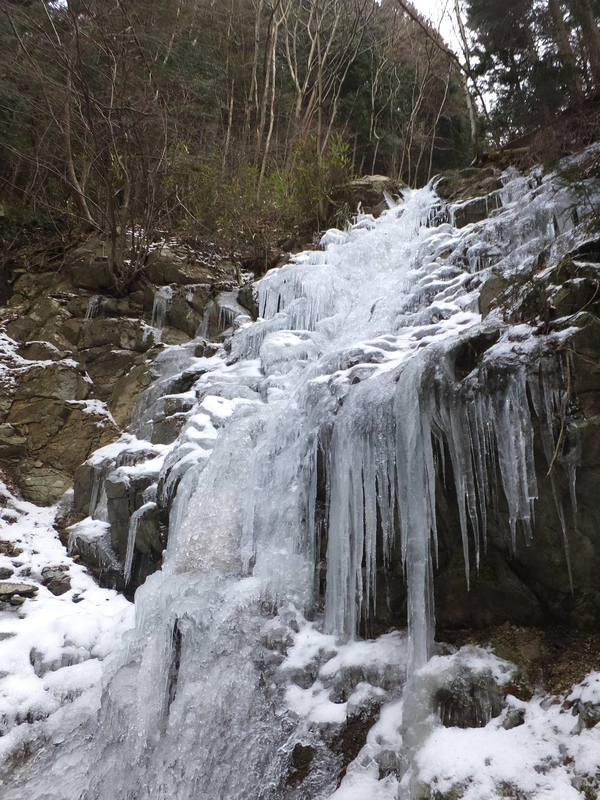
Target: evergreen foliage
x,y
534,58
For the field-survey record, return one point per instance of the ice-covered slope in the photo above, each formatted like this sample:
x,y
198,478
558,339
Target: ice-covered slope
x,y
327,421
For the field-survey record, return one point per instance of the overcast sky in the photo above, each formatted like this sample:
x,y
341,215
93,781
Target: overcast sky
x,y
440,12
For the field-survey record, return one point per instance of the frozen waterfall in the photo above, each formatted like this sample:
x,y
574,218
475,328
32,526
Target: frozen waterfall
x,y
327,422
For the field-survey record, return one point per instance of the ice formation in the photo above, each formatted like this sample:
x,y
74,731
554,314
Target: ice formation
x,y
329,417
160,308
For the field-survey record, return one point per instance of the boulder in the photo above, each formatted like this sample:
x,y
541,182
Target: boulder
x,y
30,285
165,267
88,267
13,441
124,334
59,381
475,210
50,430
464,184
247,299
490,292
56,580
107,366
8,590
41,351
372,191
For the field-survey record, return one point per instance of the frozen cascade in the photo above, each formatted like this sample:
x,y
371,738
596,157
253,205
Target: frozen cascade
x,y
160,307
331,417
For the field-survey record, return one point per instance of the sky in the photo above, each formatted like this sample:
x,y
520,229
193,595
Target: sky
x,y
440,12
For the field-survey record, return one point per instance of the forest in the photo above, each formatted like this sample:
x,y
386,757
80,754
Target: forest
x,y
237,122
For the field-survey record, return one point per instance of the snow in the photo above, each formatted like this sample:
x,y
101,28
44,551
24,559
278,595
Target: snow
x,y
52,646
588,691
541,758
96,408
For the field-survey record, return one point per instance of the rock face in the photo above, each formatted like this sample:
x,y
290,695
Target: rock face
x,y
71,386
48,426
84,357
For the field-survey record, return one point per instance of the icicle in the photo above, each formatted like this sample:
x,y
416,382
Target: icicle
x,y
133,526
415,469
162,300
101,509
97,478
92,307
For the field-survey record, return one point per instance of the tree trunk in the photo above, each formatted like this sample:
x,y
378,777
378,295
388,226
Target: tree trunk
x,y
591,36
80,199
565,51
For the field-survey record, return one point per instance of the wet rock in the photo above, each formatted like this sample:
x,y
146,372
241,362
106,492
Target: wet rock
x,y
588,715
247,299
169,416
205,350
490,292
65,516
302,758
150,542
124,496
469,700
92,543
185,311
476,210
120,510
165,431
83,481
514,718
353,737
